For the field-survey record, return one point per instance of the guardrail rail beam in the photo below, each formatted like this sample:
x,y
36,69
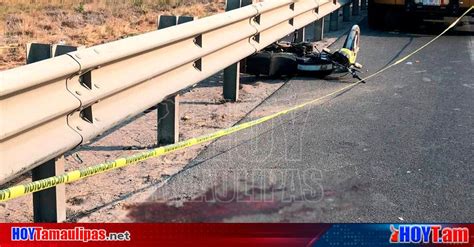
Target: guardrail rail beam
x,y
51,106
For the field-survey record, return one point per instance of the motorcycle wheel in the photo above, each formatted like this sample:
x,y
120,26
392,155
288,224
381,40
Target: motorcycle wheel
x,y
353,39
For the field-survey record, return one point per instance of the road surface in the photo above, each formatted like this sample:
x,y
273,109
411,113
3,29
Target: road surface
x,y
397,149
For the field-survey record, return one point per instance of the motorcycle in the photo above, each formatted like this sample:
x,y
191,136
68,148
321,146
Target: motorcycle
x,y
303,58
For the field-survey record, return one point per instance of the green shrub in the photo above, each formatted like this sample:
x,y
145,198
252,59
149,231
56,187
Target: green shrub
x,y
79,8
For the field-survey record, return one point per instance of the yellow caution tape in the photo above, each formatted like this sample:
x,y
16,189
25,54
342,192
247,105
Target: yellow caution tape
x,y
39,185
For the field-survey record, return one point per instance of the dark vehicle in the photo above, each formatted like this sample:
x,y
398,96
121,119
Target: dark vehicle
x,y
405,13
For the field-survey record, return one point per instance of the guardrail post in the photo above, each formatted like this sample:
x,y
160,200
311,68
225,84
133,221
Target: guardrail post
x,y
168,121
319,30
355,7
244,3
165,21
48,205
363,4
231,82
334,20
300,34
346,12
184,19
168,110
37,52
232,73
232,4
243,62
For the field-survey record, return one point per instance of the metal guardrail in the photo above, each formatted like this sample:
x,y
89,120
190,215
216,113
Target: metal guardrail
x,y
49,107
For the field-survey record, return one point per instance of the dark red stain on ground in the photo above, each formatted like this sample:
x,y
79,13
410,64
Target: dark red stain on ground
x,y
206,209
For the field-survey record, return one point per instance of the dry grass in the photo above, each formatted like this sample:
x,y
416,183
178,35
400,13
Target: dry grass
x,y
86,22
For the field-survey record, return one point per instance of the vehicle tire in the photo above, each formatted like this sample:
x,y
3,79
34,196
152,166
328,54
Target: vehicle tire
x,y
273,64
259,63
376,15
353,39
283,63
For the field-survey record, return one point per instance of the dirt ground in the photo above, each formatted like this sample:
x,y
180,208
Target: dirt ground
x,y
105,197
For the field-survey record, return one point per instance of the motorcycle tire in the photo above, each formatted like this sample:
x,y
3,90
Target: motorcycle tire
x,y
272,64
353,40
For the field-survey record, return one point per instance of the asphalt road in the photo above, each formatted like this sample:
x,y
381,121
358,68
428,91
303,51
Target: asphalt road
x,y
397,149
